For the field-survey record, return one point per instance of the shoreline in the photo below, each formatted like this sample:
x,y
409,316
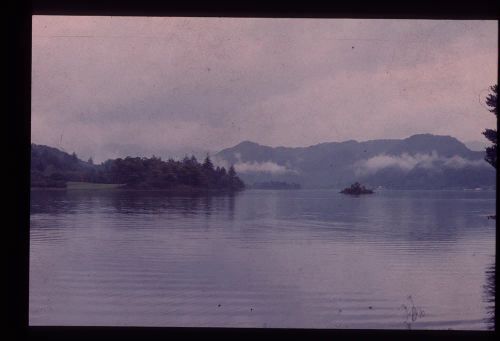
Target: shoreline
x,y
247,189
122,188
76,185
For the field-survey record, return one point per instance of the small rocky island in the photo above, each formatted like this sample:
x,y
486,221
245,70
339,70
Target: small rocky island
x,y
356,189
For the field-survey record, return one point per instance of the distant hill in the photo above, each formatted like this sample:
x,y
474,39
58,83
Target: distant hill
x,y
51,167
421,161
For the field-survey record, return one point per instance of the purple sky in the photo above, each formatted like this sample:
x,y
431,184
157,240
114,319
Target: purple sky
x,y
114,86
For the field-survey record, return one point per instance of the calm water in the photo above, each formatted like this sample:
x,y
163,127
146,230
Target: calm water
x,y
293,259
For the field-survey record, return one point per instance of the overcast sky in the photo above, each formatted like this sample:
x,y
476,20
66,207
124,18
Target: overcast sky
x,y
109,87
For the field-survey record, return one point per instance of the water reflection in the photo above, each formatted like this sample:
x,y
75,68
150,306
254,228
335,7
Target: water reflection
x,y
489,292
131,202
310,259
418,217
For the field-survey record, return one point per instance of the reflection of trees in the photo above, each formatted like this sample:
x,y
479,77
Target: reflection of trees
x,y
394,215
489,291
185,205
165,202
132,202
51,202
230,205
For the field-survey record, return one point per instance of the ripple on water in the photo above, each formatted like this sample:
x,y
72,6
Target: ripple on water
x,y
305,259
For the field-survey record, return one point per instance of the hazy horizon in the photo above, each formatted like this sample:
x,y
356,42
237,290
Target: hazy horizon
x,y
471,145
107,87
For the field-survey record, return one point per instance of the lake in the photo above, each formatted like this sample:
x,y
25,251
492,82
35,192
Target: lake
x,y
261,258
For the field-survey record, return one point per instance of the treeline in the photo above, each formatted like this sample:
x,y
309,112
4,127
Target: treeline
x,y
53,168
154,173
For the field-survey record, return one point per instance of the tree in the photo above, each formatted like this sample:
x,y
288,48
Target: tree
x,y
208,165
235,182
52,168
231,172
491,134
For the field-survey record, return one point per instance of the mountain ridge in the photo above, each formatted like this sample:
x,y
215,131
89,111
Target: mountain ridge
x,y
418,161
414,136
421,161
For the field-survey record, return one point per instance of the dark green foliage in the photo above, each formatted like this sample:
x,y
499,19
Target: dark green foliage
x,y
491,134
492,99
153,173
231,172
489,296
38,180
52,168
234,181
356,189
207,163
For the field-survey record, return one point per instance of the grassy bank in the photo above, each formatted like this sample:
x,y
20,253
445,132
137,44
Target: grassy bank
x,y
71,185
180,189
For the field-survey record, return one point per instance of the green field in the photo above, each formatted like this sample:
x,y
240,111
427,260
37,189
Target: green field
x,y
90,185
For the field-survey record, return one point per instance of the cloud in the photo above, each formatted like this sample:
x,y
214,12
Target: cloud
x,y
254,166
459,162
183,83
265,167
407,162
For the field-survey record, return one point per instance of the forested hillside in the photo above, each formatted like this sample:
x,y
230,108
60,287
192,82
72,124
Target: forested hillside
x,y
51,167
